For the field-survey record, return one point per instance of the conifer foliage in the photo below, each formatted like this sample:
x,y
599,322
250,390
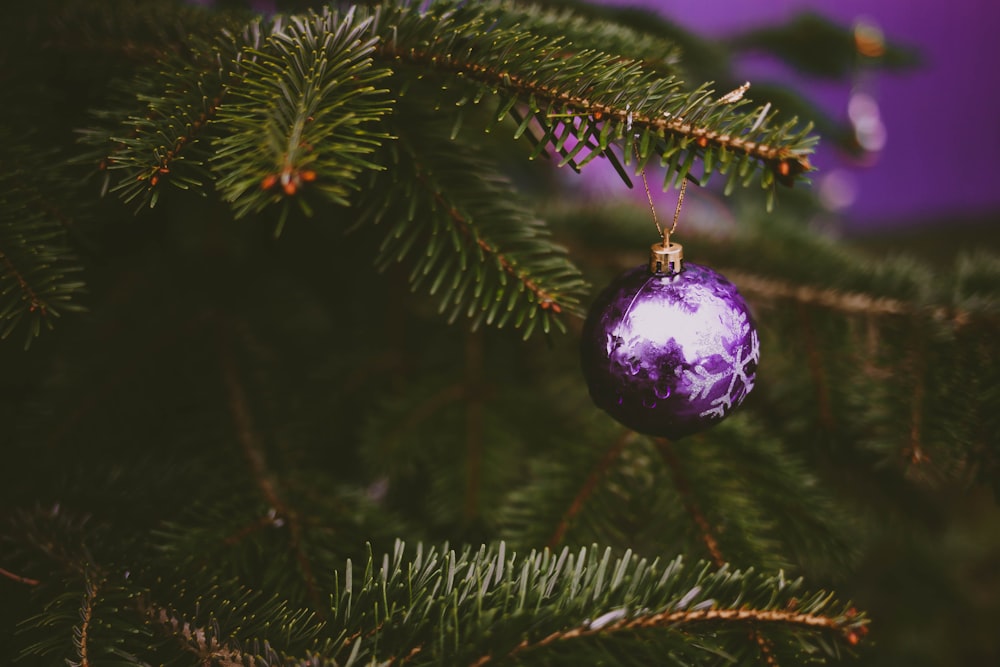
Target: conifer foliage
x,y
282,418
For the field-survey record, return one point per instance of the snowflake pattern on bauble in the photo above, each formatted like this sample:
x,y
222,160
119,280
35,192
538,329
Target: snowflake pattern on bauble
x,y
739,368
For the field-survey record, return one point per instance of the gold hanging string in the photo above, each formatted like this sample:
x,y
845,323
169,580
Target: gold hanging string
x,y
652,209
680,202
665,256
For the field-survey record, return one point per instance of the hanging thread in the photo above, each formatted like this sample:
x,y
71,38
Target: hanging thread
x,y
652,209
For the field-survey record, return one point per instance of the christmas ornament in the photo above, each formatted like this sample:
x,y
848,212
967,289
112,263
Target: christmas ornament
x,y
669,348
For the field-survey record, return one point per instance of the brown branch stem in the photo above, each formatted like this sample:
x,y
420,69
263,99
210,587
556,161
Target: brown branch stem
x,y
18,578
817,370
589,486
847,302
580,104
704,528
196,640
669,619
426,410
687,495
35,301
915,449
86,617
252,447
467,229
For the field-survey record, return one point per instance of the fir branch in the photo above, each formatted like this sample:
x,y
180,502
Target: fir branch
x,y
59,536
672,619
846,302
588,487
620,101
684,490
465,227
577,25
37,263
253,451
154,150
817,369
161,129
304,115
486,255
123,32
34,303
543,601
18,578
203,642
680,480
914,450
627,505
82,632
235,628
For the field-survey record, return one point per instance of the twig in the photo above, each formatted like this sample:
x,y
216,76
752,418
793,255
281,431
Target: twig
x,y
465,227
687,495
847,302
35,302
426,410
915,450
197,640
18,578
669,619
86,616
599,471
707,535
816,368
253,451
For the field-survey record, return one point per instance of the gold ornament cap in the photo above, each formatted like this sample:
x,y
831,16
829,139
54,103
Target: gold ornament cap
x,y
665,257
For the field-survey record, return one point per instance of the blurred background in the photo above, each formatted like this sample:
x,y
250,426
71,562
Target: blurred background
x,y
930,130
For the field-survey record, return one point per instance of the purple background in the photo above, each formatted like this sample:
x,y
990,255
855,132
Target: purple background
x,y
942,119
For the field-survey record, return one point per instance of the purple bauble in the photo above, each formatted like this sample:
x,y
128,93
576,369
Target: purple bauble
x,y
669,354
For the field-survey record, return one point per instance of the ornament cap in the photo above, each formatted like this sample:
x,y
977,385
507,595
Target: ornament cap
x,y
665,257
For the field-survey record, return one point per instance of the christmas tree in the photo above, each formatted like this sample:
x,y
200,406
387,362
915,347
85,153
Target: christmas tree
x,y
302,296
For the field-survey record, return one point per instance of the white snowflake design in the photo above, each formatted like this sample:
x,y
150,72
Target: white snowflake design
x,y
703,382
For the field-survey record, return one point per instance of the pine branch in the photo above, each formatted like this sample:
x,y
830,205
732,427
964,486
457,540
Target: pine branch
x,y
82,632
303,105
216,637
595,486
567,602
28,581
165,142
123,34
304,115
288,109
37,263
430,438
765,289
549,20
597,98
588,487
685,492
458,222
253,452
